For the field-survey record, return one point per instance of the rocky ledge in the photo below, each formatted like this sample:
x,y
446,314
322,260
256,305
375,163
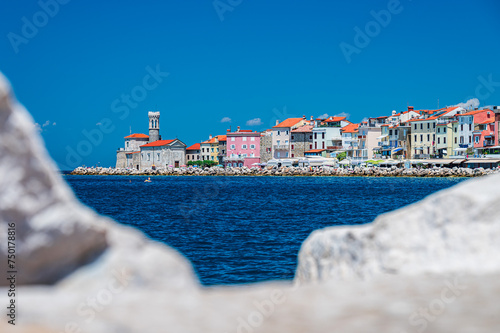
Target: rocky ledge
x,y
291,171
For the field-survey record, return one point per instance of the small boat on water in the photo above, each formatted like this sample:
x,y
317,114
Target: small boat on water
x,y
148,180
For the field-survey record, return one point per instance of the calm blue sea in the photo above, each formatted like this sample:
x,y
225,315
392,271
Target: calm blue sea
x,y
245,229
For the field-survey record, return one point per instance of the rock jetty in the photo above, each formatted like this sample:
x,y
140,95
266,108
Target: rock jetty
x,y
291,171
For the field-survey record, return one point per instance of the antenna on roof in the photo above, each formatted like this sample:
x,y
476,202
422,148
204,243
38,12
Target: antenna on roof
x,y
438,103
130,129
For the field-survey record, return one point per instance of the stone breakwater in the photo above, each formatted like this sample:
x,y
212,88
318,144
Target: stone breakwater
x,y
291,171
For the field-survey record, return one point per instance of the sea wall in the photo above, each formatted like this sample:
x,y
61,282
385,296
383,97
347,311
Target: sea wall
x,y
292,171
81,272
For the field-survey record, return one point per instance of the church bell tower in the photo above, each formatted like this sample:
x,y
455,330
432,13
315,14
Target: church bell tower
x,y
154,126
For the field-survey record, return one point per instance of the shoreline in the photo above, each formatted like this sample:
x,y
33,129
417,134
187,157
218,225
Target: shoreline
x,y
436,172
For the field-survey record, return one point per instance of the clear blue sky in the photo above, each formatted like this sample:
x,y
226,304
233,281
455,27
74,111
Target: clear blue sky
x,y
265,59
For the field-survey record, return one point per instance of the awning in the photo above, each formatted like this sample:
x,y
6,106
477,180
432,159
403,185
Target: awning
x,y
460,149
382,136
483,160
420,148
397,150
458,161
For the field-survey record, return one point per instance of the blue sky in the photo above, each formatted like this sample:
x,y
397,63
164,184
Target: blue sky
x,y
238,59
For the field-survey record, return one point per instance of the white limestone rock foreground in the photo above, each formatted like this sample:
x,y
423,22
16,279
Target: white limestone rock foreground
x,y
55,234
79,272
456,230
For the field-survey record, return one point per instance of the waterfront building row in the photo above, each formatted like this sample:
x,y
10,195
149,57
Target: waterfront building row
x,y
450,132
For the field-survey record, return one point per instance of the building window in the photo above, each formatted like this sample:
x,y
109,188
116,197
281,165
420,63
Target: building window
x,y
415,126
421,126
444,129
470,127
323,145
433,125
415,138
233,147
444,140
455,140
323,136
315,136
293,155
455,129
158,156
243,146
439,140
470,139
310,137
252,146
462,127
212,150
293,137
286,132
439,130
232,139
310,146
149,157
421,138
461,139
127,144
316,145
428,125
433,137
395,132
477,139
252,138
187,157
279,133
390,132
244,138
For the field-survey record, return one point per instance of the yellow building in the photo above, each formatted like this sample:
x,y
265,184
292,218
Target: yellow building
x,y
423,132
210,149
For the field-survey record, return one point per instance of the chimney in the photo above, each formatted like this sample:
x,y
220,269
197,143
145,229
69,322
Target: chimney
x,y
210,136
277,121
238,129
312,118
304,117
410,108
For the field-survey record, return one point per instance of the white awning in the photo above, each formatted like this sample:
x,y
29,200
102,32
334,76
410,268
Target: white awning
x,y
460,149
382,136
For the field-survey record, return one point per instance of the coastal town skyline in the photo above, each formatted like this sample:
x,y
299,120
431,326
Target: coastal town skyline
x,y
208,69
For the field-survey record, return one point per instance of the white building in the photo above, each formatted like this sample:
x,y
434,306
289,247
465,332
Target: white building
x,y
282,135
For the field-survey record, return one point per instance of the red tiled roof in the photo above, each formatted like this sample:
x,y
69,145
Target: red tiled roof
x,y
221,138
471,113
487,121
196,146
137,136
351,128
288,122
314,151
334,119
303,129
212,140
158,143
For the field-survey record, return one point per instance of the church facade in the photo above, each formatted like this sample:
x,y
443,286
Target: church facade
x,y
143,151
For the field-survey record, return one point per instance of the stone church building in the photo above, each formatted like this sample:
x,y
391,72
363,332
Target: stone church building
x,y
143,151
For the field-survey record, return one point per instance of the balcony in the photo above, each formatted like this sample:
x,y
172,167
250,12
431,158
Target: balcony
x,y
487,143
282,147
334,147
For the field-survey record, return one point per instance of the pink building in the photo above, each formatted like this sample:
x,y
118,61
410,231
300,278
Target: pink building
x,y
485,131
243,148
